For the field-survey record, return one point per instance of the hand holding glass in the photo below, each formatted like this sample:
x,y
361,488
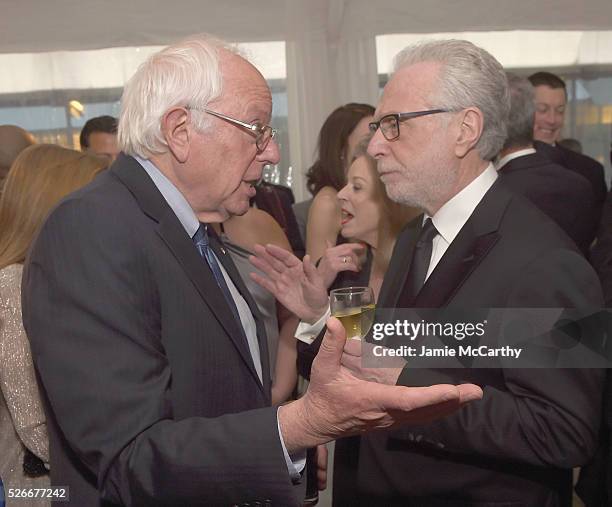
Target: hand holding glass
x,y
354,308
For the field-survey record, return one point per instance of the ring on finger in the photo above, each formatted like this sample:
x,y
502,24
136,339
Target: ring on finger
x,y
344,259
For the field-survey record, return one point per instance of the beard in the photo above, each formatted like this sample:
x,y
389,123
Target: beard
x,y
425,185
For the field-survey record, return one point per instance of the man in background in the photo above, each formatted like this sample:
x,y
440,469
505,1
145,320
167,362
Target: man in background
x,y
551,103
564,196
13,140
99,136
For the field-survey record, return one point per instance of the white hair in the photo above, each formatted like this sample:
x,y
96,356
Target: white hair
x,y
185,74
470,77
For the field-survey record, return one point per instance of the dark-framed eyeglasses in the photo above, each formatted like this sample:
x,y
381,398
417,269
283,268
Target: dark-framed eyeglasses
x,y
390,123
262,133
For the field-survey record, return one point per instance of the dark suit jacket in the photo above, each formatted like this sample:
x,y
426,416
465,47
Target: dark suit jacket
x,y
152,396
587,167
519,443
516,447
562,195
595,485
602,252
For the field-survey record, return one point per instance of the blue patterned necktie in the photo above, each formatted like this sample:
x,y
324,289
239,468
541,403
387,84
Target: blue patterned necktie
x,y
201,240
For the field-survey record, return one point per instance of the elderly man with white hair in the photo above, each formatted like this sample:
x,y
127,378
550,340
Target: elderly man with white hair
x,y
440,122
151,352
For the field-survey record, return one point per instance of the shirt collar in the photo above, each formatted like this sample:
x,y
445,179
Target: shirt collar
x,y
173,197
451,217
511,156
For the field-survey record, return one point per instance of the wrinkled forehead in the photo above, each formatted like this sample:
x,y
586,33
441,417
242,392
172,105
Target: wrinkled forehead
x,y
410,89
243,84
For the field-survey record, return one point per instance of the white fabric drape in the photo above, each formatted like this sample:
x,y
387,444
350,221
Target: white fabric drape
x,y
330,44
328,64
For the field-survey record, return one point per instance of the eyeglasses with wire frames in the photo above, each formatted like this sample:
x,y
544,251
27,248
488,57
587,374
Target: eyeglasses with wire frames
x,y
390,123
262,133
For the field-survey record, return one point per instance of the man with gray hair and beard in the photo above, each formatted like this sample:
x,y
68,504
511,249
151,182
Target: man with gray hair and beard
x,y
562,195
439,124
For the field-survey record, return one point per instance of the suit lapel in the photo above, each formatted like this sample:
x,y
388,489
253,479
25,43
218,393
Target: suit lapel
x,y
399,265
226,259
466,252
463,255
174,236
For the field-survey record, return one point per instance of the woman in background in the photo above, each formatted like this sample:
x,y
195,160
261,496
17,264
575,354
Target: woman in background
x,y
368,216
342,131
40,176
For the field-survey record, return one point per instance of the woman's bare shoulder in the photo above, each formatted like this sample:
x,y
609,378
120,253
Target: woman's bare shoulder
x,y
257,227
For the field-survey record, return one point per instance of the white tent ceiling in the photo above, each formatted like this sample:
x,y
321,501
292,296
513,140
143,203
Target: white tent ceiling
x,y
331,53
34,25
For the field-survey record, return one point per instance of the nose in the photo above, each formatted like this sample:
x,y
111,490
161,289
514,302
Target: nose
x,y
271,155
342,193
377,147
550,116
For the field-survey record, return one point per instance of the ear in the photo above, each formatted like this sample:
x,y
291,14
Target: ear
x,y
470,130
175,128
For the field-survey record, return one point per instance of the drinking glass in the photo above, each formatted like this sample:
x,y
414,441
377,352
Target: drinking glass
x,y
354,308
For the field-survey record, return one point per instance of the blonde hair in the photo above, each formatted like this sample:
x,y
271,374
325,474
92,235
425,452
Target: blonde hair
x,y
38,179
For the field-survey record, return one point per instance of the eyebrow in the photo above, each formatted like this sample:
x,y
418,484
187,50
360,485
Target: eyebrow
x,y
549,105
376,117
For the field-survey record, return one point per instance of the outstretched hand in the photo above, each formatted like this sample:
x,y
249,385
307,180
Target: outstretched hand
x,y
300,286
295,284
338,404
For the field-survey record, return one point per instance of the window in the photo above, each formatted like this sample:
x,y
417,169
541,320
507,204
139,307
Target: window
x,y
37,93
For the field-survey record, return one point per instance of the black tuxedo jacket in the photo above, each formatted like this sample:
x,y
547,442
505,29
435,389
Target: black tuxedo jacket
x,y
602,252
584,165
152,396
517,445
562,195
595,485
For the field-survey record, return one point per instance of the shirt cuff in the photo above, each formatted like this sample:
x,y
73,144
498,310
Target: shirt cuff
x,y
295,462
307,333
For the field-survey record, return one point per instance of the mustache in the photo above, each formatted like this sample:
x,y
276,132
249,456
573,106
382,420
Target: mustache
x,y
383,166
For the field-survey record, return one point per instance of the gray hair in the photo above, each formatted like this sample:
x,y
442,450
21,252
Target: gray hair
x,y
184,74
522,111
470,77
